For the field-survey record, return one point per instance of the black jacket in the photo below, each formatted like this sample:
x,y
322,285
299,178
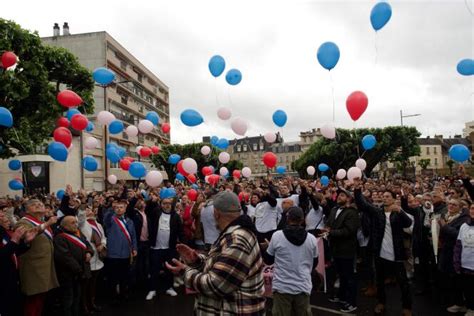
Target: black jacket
x,y
153,212
417,235
343,233
398,221
447,240
469,187
64,207
136,218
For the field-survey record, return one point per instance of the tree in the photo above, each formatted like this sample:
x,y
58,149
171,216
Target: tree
x,y
394,143
29,91
450,164
424,163
191,151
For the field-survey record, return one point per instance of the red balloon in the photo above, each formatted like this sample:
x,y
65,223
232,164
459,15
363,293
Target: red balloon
x,y
243,196
236,174
192,195
145,151
129,159
79,122
8,59
206,171
125,164
213,179
356,104
63,135
166,128
68,98
269,159
191,178
155,149
62,122
181,170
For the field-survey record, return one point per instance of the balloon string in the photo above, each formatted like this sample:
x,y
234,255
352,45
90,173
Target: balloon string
x,y
215,90
229,98
468,8
376,50
333,99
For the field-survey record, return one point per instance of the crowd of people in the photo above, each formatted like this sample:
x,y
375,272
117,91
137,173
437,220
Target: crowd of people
x,y
217,242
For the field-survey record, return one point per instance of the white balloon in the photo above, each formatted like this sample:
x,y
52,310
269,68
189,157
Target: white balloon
x,y
154,178
341,174
90,142
145,126
137,150
112,179
270,137
205,150
246,172
361,164
190,165
131,131
353,173
223,171
328,131
206,179
224,157
311,170
239,126
105,117
224,114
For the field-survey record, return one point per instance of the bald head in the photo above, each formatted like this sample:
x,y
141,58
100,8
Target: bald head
x,y
69,224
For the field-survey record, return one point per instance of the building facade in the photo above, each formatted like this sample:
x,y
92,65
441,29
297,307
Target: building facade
x,y
309,137
287,153
468,129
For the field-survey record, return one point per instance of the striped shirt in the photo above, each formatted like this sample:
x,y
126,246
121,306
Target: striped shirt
x,y
229,281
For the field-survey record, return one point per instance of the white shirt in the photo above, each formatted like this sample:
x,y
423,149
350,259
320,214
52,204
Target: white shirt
x,y
293,264
163,235
338,212
211,233
86,230
251,211
466,236
267,217
387,251
315,218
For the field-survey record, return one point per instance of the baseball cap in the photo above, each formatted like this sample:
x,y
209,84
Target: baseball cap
x,y
226,202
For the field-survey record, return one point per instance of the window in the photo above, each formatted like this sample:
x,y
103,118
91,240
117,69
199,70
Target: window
x,y
139,77
244,147
123,65
99,162
140,108
124,135
124,99
436,161
434,150
255,146
280,159
427,150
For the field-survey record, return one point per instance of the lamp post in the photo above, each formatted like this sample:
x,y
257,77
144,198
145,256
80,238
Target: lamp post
x,y
403,116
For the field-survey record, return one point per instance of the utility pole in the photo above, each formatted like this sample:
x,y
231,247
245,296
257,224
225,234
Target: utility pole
x,y
403,116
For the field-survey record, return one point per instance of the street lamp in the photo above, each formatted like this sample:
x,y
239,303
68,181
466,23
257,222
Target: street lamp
x,y
403,116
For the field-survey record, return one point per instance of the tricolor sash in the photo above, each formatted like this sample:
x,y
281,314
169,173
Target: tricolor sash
x,y
123,228
74,239
95,228
48,232
5,241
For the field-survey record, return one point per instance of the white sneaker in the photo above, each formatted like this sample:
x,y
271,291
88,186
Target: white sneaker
x,y
470,312
456,309
171,292
150,295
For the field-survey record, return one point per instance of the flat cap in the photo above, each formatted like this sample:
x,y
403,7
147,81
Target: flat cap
x,y
226,201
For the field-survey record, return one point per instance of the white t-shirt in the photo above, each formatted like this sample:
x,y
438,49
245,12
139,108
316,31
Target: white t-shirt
x,y
163,235
466,236
211,233
251,211
313,218
293,264
267,217
387,251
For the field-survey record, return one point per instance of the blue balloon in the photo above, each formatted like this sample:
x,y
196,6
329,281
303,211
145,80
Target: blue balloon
x,y
71,112
194,186
191,117
167,193
153,117
324,180
90,127
466,67
60,194
144,194
281,169
369,141
112,154
214,140
57,151
89,163
103,76
111,145
328,55
116,127
179,177
459,153
6,118
14,164
222,143
233,77
121,152
216,65
323,167
380,15
15,185
279,118
174,159
137,169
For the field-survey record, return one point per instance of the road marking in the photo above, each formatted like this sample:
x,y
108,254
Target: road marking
x,y
334,311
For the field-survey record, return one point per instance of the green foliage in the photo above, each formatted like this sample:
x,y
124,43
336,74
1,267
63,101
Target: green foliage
x,y
191,151
424,163
30,90
394,143
450,163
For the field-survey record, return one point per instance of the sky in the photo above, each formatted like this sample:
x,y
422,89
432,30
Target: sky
x,y
408,65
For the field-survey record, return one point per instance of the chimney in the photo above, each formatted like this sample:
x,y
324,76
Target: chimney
x,y
66,29
56,29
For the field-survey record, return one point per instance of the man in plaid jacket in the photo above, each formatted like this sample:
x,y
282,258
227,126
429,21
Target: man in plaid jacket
x,y
229,281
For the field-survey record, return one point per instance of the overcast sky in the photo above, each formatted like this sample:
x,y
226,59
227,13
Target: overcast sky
x,y
274,44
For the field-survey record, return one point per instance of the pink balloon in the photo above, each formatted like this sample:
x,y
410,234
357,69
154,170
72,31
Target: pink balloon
x,y
91,142
205,150
353,173
246,172
112,179
131,131
361,164
105,117
341,174
154,178
239,126
145,126
224,114
311,170
190,165
328,131
270,137
224,157
223,171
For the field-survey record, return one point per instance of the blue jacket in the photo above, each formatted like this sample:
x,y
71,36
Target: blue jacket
x,y
118,245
